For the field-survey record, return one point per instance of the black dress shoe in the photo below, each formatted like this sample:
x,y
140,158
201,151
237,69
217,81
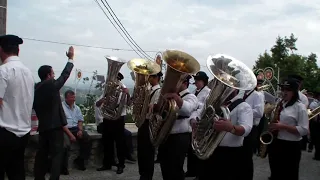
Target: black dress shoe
x,y
79,163
120,170
64,172
188,174
104,168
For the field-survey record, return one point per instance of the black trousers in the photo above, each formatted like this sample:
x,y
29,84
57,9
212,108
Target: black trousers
x,y
84,147
129,144
50,143
284,159
226,163
12,155
249,147
113,131
316,139
172,155
313,131
304,143
146,152
192,161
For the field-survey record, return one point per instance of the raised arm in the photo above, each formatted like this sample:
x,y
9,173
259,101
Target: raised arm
x,y
66,71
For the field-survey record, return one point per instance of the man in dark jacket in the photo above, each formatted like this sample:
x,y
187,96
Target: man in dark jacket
x,y
52,119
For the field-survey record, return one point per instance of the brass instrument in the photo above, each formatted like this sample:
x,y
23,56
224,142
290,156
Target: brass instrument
x,y
263,88
115,101
142,69
267,137
313,113
179,66
229,75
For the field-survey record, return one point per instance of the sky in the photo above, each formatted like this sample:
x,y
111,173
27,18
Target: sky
x,y
240,28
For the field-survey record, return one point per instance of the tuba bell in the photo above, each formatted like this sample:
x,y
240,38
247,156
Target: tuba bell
x,y
179,66
115,101
142,69
229,75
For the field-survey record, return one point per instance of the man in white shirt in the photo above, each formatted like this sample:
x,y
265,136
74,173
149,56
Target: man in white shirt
x,y
304,99
16,99
314,126
202,91
146,150
250,143
172,152
227,161
113,131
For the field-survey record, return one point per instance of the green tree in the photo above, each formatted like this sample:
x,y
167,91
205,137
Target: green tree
x,y
283,55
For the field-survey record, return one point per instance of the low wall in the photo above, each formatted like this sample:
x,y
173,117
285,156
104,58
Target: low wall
x,y
96,151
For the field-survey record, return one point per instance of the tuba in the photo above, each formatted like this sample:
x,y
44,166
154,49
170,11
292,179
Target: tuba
x,y
115,102
179,66
263,88
229,75
142,69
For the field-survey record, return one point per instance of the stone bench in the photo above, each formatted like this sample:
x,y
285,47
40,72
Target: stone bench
x,y
96,151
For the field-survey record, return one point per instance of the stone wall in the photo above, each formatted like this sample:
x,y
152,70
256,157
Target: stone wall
x,y
96,151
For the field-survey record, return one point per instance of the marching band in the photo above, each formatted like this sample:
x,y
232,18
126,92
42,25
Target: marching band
x,y
216,127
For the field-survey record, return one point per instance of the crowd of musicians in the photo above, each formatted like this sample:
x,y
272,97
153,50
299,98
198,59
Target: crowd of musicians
x,y
61,124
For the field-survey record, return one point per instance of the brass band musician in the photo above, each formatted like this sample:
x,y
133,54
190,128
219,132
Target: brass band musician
x,y
146,150
291,123
229,153
173,151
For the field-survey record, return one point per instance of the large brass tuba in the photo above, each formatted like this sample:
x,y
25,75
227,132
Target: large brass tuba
x,y
179,66
141,94
115,101
229,75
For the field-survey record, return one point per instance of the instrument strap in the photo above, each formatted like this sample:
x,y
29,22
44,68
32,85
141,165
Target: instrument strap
x,y
153,93
197,92
247,95
184,95
234,104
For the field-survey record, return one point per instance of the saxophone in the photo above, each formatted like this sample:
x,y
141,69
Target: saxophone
x,y
142,69
179,66
229,75
267,137
115,101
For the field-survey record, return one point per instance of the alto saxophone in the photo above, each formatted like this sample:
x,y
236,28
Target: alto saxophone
x,y
267,137
141,94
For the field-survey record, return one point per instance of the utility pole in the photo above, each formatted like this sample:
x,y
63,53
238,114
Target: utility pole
x,y
3,16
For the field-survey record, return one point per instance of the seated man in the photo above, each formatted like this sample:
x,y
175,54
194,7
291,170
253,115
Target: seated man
x,y
75,126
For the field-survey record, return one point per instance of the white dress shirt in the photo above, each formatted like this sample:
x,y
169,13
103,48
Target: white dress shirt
x,y
257,104
202,96
304,99
97,112
190,104
156,91
314,104
295,115
241,116
17,93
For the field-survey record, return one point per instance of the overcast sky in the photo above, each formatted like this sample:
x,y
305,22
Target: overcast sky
x,y
240,28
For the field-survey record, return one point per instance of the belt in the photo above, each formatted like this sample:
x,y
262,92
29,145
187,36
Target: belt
x,y
182,117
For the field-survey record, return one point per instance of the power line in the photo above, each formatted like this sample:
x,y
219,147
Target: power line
x,y
117,29
123,29
82,45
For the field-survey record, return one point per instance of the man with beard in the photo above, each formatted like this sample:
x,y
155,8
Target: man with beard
x,y
52,119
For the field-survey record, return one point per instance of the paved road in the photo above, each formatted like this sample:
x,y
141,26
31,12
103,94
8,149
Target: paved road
x,y
309,170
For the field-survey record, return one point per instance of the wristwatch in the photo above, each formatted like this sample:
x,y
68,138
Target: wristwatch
x,y
233,131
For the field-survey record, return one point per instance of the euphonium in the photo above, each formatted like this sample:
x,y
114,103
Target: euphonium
x,y
179,66
141,94
115,101
267,137
229,75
